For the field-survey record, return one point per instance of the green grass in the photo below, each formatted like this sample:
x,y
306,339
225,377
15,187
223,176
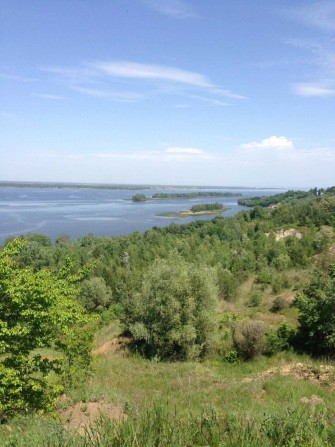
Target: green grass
x,y
205,403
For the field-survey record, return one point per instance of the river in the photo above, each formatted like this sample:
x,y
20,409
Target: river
x,y
103,212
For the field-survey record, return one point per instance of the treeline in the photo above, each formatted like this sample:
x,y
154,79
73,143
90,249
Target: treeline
x,y
194,195
236,246
206,207
286,197
190,195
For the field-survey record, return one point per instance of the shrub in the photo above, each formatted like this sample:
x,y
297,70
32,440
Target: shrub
x,y
316,306
280,339
255,299
37,310
279,303
248,337
173,316
94,294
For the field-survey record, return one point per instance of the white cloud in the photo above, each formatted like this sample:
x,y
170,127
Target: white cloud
x,y
310,89
102,78
177,9
273,168
184,150
117,96
127,69
270,143
11,77
49,96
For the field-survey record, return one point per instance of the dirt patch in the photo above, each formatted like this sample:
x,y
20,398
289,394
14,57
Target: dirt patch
x,y
282,234
322,375
117,344
83,415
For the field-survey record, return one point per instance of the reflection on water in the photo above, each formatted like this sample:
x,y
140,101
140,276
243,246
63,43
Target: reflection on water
x,y
101,212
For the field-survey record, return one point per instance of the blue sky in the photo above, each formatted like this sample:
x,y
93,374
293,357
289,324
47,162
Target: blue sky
x,y
215,92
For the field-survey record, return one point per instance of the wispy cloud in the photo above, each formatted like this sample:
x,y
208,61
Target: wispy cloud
x,y
49,96
177,9
103,78
185,150
115,95
12,77
319,52
320,14
312,89
126,69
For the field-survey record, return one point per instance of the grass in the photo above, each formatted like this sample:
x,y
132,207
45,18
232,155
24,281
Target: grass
x,y
208,403
195,403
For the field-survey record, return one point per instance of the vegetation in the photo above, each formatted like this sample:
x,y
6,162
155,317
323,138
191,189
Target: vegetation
x,y
37,311
139,198
173,316
207,207
194,195
209,332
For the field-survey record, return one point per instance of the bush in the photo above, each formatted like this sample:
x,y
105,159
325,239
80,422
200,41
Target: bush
x,y
248,337
255,299
173,316
37,310
95,295
279,303
316,306
280,339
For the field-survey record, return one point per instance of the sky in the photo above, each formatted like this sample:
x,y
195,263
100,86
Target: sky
x,y
182,92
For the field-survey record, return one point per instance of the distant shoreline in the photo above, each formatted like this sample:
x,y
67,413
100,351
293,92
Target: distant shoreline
x,y
130,187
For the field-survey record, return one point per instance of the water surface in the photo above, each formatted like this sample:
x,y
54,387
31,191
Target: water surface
x,y
78,212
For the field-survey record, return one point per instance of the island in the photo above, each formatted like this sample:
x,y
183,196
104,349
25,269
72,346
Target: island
x,y
189,195
197,210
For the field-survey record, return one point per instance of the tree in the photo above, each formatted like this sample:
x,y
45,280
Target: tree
x,y
316,306
37,310
94,294
173,316
139,198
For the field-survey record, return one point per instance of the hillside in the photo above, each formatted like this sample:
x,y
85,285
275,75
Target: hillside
x,y
217,333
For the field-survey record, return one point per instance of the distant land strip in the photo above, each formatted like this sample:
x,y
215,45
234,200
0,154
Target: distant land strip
x,y
131,187
190,195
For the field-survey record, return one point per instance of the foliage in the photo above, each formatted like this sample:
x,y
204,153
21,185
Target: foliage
x,y
94,294
173,316
194,195
255,299
279,303
248,337
139,198
280,339
206,207
36,309
275,199
316,306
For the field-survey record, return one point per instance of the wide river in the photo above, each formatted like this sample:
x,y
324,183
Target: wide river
x,y
103,212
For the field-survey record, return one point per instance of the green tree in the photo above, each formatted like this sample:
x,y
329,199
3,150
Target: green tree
x,y
94,294
37,310
316,306
173,316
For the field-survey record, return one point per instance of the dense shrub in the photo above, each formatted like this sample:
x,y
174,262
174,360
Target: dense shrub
x,y
37,310
316,306
248,337
94,294
173,316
